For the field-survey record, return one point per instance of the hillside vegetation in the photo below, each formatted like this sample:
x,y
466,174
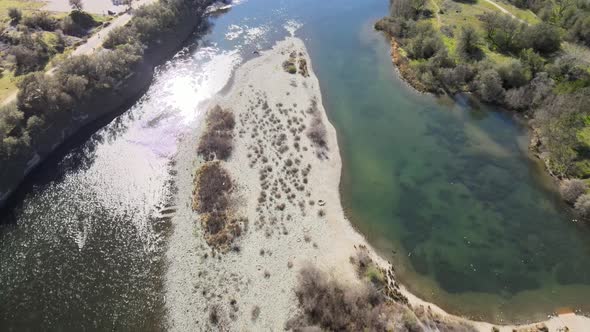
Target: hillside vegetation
x,y
50,101
530,56
31,38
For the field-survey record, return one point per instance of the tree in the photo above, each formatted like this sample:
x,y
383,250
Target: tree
x,y
41,20
489,86
10,118
503,32
468,43
571,189
532,60
76,5
531,95
120,36
544,38
418,5
513,74
560,119
425,41
401,8
580,31
582,206
559,7
15,15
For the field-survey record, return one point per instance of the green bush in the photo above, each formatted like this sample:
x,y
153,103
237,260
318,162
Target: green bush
x,y
513,74
544,38
121,36
489,86
40,20
468,44
15,15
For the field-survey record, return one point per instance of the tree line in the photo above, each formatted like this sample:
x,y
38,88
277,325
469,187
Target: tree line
x,y
46,101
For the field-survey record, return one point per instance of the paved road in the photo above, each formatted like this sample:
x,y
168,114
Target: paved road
x,y
93,43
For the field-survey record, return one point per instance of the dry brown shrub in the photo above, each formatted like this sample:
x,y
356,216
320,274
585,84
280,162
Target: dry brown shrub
x,y
215,145
317,132
212,185
219,119
216,141
327,305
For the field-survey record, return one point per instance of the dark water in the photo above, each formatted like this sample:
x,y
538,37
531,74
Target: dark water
x,y
475,224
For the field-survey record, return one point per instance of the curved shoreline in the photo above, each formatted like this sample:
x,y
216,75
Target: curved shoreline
x,y
261,271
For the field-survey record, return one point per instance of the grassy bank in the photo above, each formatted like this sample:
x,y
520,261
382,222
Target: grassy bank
x,y
529,59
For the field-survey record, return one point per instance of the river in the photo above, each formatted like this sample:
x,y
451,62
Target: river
x,y
446,189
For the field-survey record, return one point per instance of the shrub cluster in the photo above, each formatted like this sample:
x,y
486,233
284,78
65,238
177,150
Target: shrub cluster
x,y
327,305
317,130
45,100
77,23
148,21
571,189
571,16
213,186
216,141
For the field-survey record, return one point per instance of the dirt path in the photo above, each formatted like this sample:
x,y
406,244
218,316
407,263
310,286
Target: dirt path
x,y
503,10
436,13
93,43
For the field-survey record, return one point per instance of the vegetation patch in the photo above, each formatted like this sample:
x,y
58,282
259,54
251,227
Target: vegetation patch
x,y
211,198
289,66
213,185
303,67
326,304
316,131
216,141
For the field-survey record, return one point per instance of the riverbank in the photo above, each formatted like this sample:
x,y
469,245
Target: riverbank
x,y
445,58
106,104
291,200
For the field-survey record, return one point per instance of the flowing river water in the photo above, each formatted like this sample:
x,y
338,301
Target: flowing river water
x,y
444,188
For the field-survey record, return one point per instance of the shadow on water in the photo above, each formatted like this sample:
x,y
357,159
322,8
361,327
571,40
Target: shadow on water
x,y
76,153
83,238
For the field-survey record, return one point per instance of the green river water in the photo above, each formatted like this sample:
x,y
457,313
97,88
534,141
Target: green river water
x,y
445,189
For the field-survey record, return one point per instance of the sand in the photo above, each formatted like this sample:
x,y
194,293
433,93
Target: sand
x,y
282,234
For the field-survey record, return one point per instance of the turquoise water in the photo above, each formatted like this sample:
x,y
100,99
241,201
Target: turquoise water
x,y
444,188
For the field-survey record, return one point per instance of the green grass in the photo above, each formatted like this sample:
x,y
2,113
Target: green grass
x,y
571,86
27,6
7,85
523,14
374,275
451,44
457,15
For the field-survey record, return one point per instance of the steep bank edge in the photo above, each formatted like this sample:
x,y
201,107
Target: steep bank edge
x,y
103,107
